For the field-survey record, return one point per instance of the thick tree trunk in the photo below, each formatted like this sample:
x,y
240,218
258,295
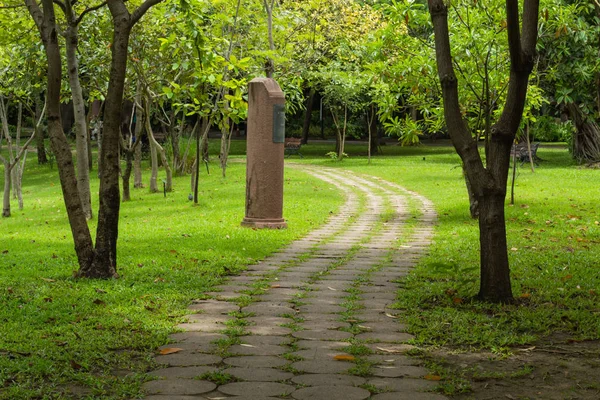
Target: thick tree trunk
x,y
495,274
308,116
586,141
81,133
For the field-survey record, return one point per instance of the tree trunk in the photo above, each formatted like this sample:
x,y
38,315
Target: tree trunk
x,y
6,196
107,232
586,141
205,128
155,146
139,130
473,200
127,173
81,133
175,136
224,153
495,274
39,133
154,168
308,116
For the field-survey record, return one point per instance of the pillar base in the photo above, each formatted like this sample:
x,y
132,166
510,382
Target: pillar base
x,y
262,223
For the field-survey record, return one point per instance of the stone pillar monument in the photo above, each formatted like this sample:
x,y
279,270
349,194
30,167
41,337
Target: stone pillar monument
x,y
265,150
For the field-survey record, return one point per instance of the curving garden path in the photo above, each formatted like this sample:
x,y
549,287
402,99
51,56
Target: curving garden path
x,y
312,321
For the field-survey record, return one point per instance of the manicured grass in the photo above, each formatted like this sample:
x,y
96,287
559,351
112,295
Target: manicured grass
x,y
98,337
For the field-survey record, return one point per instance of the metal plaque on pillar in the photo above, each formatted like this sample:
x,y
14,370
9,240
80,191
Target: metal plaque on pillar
x,y
265,155
278,123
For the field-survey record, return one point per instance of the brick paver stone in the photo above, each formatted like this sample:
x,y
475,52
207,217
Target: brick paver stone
x,y
331,393
178,387
250,389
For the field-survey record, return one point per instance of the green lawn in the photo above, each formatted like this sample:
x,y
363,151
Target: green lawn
x,y
58,333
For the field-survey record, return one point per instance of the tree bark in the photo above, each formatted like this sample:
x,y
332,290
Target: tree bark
x,y
6,196
489,183
81,132
586,141
155,146
39,133
139,130
308,116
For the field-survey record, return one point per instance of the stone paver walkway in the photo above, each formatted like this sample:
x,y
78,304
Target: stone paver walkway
x,y
312,321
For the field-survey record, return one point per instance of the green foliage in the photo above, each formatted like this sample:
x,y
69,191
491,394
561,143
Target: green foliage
x,y
407,130
548,129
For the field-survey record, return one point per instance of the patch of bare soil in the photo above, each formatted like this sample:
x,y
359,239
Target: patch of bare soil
x,y
556,368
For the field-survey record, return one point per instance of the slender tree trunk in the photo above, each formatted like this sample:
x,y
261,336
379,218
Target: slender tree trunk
x,y
175,136
308,116
154,169
39,133
224,154
6,196
269,65
139,131
127,173
88,138
163,157
81,133
205,128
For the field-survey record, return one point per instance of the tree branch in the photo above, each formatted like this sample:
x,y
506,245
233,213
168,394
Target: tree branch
x,y
141,10
61,5
514,32
88,10
35,12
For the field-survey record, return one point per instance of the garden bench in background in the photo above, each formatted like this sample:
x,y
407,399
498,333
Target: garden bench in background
x,y
292,146
522,153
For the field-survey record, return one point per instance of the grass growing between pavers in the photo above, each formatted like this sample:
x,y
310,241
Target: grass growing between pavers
x,y
96,338
553,240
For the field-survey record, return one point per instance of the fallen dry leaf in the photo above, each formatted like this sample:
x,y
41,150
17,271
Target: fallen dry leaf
x,y
99,302
75,366
525,295
246,345
431,377
330,288
100,291
391,315
344,357
169,350
48,280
